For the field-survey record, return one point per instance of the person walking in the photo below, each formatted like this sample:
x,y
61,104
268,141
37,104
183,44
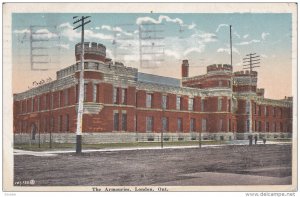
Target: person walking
x,y
250,140
255,139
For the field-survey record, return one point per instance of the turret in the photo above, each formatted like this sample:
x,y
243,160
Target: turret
x,y
92,51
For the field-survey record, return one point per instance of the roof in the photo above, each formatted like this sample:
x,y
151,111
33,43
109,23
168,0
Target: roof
x,y
149,78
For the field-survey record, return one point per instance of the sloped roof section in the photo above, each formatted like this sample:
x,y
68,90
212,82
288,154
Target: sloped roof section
x,y
149,78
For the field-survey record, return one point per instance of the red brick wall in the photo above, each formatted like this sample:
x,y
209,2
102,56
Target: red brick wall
x,y
141,98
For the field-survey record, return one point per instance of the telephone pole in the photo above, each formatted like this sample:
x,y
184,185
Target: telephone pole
x,y
82,23
251,61
230,45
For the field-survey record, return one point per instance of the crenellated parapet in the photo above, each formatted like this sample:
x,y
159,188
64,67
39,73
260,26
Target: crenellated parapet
x,y
245,73
92,51
219,68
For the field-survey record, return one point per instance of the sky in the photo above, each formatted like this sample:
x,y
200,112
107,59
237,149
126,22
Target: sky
x,y
202,38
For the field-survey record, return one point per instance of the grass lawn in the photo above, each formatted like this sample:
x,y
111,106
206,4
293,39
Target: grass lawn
x,y
64,146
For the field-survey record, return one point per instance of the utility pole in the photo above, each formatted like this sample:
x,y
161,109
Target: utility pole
x,y
251,61
231,79
81,83
230,46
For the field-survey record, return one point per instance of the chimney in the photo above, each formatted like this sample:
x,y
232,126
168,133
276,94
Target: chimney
x,y
185,68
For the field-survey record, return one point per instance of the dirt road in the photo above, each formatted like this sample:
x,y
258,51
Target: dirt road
x,y
226,165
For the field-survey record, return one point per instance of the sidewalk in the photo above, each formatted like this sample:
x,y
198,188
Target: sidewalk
x,y
55,152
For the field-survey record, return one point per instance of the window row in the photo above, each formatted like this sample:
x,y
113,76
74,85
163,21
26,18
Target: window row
x,y
191,103
44,125
265,110
268,126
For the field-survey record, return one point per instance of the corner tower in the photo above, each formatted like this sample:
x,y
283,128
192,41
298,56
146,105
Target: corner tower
x,y
92,51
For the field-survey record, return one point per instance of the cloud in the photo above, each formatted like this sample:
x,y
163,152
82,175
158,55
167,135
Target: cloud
x,y
249,42
227,50
116,29
264,56
64,46
207,37
68,32
172,53
236,34
193,49
65,25
264,35
220,26
106,27
23,31
192,26
109,54
246,36
72,35
44,34
161,18
91,34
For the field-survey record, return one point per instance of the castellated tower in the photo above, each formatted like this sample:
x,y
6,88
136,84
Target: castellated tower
x,y
92,51
244,81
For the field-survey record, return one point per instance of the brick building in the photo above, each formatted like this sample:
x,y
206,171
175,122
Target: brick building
x,y
123,105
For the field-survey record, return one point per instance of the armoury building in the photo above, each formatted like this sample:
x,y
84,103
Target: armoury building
x,y
124,105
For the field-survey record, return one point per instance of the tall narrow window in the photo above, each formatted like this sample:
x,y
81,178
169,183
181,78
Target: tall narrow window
x,y
115,95
149,125
60,123
259,110
191,104
85,92
219,104
192,125
254,108
280,112
32,104
21,107
221,128
66,97
178,102
124,96
229,105
67,123
247,107
202,105
165,124
179,124
45,124
247,125
38,103
27,105
267,127
52,121
116,121
124,122
203,123
59,98
274,111
45,101
229,125
95,93
281,127
149,101
52,97
164,102
267,111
